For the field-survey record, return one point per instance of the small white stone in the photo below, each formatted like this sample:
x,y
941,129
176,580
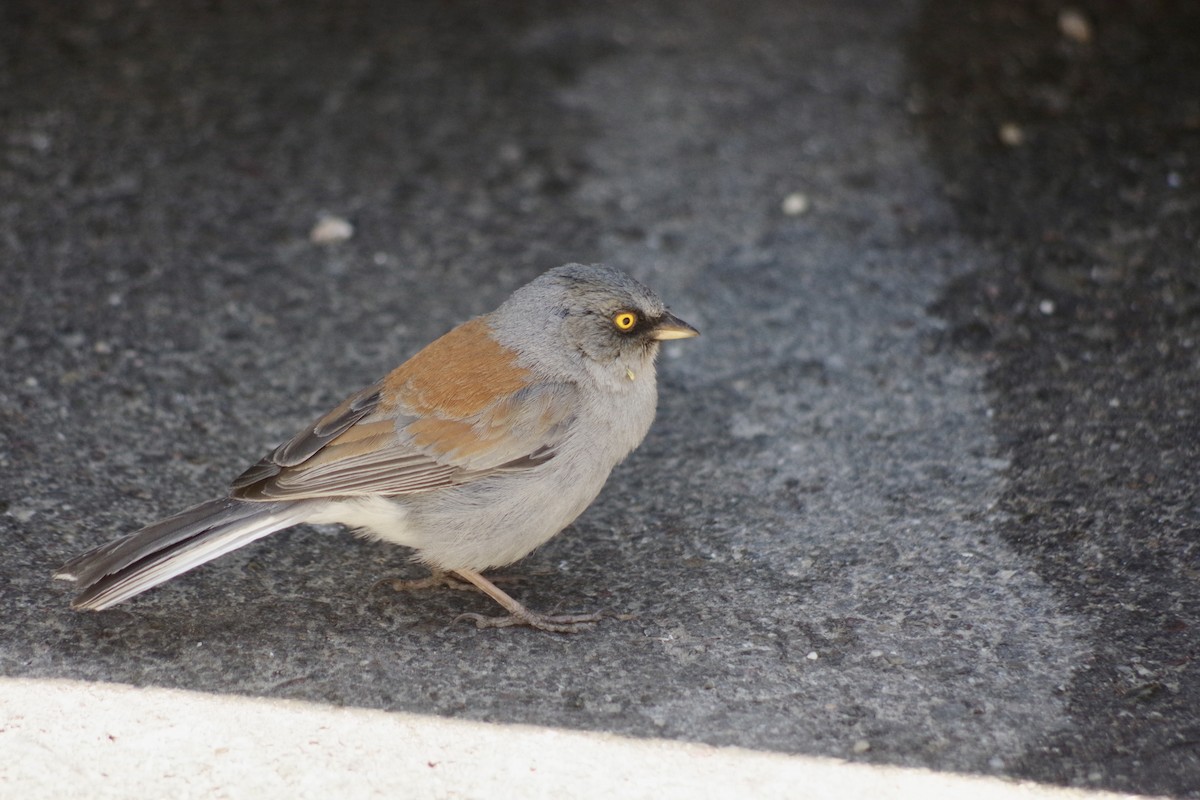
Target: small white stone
x,y
812,656
1046,307
745,428
1011,134
861,746
1074,25
22,514
796,204
329,230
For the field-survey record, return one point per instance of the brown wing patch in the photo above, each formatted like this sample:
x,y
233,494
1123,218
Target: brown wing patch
x,y
450,440
455,376
363,438
457,411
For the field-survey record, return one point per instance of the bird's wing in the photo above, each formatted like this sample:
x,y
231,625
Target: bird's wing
x,y
389,454
308,442
457,411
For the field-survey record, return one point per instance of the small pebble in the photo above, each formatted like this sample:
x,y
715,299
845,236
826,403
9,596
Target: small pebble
x,y
40,142
796,204
1074,25
329,230
1011,135
22,514
1046,307
861,746
812,656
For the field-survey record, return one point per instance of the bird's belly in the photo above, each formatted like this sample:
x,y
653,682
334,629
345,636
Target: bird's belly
x,y
374,516
498,520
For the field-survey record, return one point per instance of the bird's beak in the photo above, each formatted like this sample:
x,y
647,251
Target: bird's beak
x,y
670,326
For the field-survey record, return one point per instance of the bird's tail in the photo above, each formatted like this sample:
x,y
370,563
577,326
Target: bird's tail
x,y
142,560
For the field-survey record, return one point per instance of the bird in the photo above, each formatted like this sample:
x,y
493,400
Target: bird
x,y
478,449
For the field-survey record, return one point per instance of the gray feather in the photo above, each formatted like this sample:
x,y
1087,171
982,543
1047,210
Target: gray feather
x,y
144,559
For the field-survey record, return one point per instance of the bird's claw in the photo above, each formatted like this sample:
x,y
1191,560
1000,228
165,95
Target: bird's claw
x,y
553,623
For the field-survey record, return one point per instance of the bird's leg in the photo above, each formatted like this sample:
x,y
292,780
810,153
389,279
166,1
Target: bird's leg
x,y
437,579
519,614
441,579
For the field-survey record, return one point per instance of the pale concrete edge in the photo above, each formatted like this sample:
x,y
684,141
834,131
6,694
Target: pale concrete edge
x,y
112,740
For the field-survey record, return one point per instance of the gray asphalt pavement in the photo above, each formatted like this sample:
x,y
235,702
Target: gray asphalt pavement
x,y
920,496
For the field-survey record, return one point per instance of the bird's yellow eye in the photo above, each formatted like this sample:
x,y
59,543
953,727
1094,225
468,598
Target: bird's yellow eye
x,y
625,320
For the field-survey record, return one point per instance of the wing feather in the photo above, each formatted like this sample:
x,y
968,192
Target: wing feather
x,y
360,449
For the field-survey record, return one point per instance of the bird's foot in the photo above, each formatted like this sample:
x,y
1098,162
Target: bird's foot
x,y
519,614
554,623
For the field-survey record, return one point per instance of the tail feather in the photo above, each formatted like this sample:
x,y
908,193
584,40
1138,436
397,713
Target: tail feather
x,y
144,559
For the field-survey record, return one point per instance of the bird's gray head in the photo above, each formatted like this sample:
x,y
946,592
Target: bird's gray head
x,y
594,310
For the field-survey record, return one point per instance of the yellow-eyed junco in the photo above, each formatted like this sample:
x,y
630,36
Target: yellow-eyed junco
x,y
475,451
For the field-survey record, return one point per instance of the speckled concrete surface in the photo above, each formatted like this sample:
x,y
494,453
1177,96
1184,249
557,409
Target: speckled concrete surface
x,y
811,545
